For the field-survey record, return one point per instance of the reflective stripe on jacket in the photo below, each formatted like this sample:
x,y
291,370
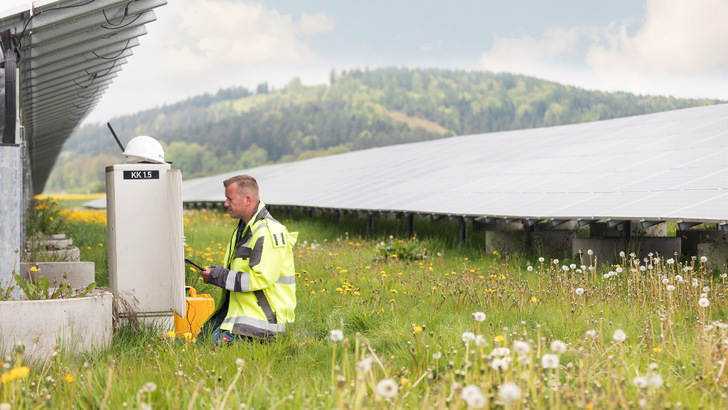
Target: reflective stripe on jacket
x,y
258,278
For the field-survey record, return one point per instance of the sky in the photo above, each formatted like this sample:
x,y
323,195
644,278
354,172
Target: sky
x,y
657,47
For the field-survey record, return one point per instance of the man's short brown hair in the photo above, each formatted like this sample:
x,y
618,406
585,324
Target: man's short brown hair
x,y
245,183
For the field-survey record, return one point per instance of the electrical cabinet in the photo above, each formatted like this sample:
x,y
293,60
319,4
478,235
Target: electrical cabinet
x,y
146,240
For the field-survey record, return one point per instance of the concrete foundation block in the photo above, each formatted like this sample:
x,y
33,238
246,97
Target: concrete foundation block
x,y
717,254
77,274
506,242
78,324
606,250
60,255
551,243
691,238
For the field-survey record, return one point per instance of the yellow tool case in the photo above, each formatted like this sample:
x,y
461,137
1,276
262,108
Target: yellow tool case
x,y
199,308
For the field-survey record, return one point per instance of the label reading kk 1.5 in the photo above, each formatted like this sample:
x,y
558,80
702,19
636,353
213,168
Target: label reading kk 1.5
x,y
141,174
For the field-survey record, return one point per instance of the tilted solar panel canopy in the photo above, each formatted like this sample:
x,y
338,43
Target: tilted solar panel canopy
x,y
70,51
666,166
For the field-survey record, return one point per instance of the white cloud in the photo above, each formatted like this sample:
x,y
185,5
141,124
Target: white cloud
x,y
678,49
678,37
316,23
232,36
529,55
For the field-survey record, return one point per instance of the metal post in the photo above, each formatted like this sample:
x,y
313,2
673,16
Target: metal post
x,y
462,231
410,225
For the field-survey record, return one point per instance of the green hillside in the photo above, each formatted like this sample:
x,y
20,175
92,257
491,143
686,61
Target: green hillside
x,y
237,128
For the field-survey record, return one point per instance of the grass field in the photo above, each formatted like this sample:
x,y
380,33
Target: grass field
x,y
394,322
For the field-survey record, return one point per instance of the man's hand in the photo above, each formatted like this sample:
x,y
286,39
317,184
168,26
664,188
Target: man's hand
x,y
206,274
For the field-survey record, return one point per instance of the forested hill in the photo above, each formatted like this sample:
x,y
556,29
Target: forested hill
x,y
237,128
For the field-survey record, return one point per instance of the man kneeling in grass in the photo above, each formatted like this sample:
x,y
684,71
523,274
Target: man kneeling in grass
x,y
257,276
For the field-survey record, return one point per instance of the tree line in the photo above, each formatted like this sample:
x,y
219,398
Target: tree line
x,y
237,129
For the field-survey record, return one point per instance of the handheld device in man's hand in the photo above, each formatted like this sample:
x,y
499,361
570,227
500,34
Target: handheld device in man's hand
x,y
194,265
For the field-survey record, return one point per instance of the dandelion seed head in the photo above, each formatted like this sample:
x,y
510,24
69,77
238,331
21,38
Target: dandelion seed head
x,y
499,364
703,302
521,347
336,335
670,288
703,259
468,337
479,316
655,381
590,252
541,259
529,268
480,341
387,388
706,289
619,336
558,347
591,333
640,382
579,291
509,392
549,361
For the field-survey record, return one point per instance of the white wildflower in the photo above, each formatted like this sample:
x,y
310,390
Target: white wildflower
x,y
703,302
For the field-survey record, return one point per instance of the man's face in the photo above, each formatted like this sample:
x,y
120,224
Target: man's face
x,y
236,203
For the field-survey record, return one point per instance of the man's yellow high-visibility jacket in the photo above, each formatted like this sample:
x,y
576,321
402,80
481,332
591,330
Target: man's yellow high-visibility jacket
x,y
258,278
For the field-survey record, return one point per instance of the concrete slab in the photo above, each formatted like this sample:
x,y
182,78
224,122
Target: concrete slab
x,y
717,254
606,250
77,324
77,274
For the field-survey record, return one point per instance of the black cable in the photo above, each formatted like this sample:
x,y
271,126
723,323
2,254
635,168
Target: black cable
x,y
116,56
125,25
45,11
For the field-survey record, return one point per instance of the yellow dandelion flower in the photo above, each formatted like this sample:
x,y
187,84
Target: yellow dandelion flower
x,y
357,293
313,292
69,378
35,268
533,299
101,245
19,372
393,291
171,334
657,350
6,377
499,339
417,329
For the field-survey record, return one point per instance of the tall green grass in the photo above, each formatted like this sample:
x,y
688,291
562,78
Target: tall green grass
x,y
409,321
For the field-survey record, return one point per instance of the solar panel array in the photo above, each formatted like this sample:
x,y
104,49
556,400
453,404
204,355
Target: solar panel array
x,y
666,166
71,50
